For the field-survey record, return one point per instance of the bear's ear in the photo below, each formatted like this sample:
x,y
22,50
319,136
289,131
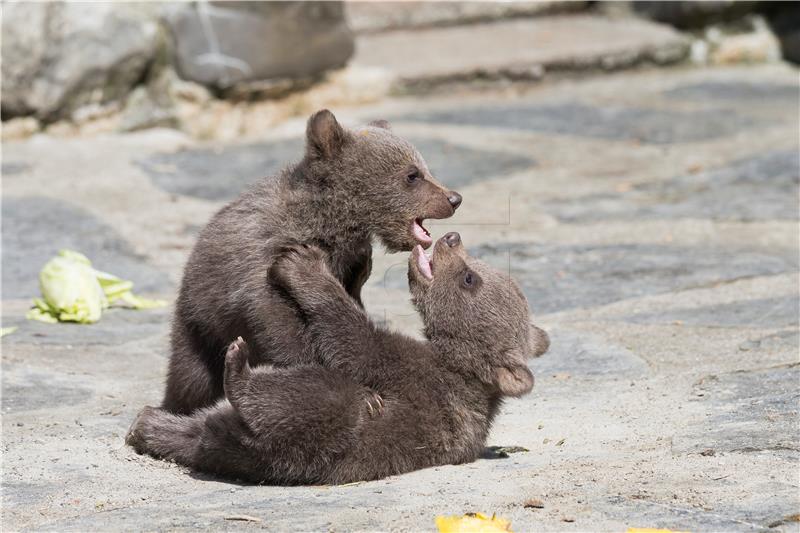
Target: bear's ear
x,y
383,124
514,381
538,340
324,135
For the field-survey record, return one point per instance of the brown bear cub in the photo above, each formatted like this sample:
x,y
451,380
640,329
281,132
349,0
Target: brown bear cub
x,y
350,186
377,403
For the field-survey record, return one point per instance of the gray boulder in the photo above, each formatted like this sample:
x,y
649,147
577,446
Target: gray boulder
x,y
222,44
58,57
784,18
690,15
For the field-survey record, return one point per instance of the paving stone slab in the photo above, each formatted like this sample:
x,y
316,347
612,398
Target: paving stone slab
x,y
321,508
749,411
35,228
9,168
221,174
774,312
583,355
556,278
763,187
651,126
679,518
23,493
30,389
787,340
117,325
737,90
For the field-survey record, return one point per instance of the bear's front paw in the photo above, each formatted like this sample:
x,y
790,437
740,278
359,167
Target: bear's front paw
x,y
237,367
298,264
136,436
237,356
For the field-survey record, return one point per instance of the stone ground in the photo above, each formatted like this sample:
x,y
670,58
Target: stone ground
x,y
651,217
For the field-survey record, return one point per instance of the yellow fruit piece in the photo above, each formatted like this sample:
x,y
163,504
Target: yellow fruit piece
x,y
473,523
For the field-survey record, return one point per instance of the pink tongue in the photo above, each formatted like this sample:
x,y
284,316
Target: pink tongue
x,y
420,235
423,263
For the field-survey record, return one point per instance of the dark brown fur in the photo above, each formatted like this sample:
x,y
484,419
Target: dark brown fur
x,y
324,423
351,186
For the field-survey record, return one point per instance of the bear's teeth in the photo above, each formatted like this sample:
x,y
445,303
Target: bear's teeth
x,y
423,263
420,233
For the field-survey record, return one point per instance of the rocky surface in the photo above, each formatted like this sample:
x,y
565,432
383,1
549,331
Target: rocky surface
x,y
651,218
784,19
370,17
62,62
521,49
248,75
692,15
222,44
58,57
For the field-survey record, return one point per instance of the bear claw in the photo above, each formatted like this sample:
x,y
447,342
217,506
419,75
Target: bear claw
x,y
237,355
374,404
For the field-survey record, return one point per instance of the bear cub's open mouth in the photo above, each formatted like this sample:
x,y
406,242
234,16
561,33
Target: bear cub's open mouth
x,y
423,262
422,235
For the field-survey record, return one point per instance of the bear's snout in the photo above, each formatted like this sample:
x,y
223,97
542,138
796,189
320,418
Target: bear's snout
x,y
455,199
452,239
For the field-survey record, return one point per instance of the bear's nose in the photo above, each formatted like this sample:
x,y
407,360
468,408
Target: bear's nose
x,y
455,199
452,239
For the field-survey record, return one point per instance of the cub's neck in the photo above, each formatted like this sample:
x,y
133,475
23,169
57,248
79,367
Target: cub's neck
x,y
322,214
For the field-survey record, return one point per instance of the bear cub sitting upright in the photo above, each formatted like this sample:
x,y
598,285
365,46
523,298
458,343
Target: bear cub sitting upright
x,y
351,185
377,403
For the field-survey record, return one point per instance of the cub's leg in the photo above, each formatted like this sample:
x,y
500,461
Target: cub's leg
x,y
282,425
166,435
274,328
213,440
313,411
194,378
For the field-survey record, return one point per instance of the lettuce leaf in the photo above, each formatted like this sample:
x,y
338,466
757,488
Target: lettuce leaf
x,y
73,291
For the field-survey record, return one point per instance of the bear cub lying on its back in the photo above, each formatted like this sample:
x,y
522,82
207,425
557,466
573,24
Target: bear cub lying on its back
x,y
377,403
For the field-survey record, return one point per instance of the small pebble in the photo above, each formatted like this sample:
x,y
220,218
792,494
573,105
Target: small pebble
x,y
533,503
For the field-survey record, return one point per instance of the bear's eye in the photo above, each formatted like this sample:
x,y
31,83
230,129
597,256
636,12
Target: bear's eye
x,y
469,279
413,176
